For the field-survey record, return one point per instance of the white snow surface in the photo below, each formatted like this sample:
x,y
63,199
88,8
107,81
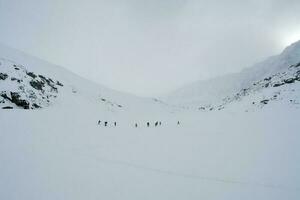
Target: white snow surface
x,y
60,152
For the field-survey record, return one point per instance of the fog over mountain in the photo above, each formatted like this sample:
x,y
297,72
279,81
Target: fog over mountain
x,y
150,47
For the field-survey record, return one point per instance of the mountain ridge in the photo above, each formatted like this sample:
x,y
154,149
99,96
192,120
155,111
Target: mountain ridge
x,y
212,91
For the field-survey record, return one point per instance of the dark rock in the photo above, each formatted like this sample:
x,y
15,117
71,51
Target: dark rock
x,y
7,107
4,95
220,108
50,80
3,76
37,84
278,84
103,99
53,89
15,98
289,80
264,101
15,79
267,79
31,74
267,85
59,83
36,106
17,68
42,77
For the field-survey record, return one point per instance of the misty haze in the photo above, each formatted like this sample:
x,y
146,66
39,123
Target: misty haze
x,y
135,99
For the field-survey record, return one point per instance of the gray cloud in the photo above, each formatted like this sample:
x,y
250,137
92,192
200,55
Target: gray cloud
x,y
150,47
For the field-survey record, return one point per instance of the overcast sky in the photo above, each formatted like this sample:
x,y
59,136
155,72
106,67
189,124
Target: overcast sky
x,y
149,47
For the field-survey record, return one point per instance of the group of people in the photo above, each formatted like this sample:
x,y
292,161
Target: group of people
x,y
157,123
106,123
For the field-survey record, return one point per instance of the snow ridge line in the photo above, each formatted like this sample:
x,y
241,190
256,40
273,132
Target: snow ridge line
x,y
196,177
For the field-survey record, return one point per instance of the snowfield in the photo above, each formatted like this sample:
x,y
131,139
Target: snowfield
x,y
243,151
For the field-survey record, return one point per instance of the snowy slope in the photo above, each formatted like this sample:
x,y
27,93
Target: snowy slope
x,y
59,151
211,93
41,84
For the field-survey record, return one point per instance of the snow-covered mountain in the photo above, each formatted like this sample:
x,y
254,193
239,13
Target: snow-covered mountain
x,y
277,78
52,147
30,83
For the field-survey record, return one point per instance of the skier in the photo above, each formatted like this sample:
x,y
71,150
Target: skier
x,y
99,122
105,123
115,123
178,123
160,123
136,125
148,124
156,123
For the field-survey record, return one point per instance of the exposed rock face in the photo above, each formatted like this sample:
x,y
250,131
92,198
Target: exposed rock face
x,y
7,107
289,76
265,101
16,99
3,76
59,83
290,80
24,89
38,85
31,74
278,84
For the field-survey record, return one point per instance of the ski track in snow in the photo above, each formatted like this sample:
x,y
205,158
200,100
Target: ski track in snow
x,y
190,176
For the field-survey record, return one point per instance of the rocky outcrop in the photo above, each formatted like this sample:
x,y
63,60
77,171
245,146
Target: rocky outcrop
x,y
31,74
16,99
3,76
286,77
25,89
38,85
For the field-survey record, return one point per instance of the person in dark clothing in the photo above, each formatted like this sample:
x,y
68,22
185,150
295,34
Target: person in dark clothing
x,y
156,123
115,123
160,123
99,122
105,123
178,123
148,124
136,125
